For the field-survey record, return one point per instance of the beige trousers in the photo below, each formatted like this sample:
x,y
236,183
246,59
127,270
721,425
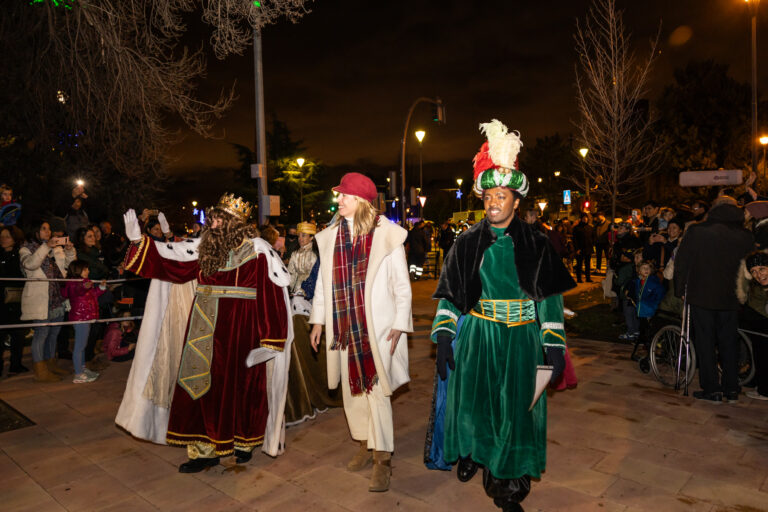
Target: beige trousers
x,y
369,415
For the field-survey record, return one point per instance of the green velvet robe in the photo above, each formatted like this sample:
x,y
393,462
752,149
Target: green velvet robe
x,y
491,389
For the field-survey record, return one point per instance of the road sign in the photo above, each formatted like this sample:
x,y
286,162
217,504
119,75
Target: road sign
x,y
566,197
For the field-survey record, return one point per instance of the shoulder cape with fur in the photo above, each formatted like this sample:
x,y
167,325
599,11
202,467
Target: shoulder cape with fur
x,y
539,268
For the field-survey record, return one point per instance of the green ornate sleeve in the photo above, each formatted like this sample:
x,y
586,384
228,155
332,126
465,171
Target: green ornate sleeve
x,y
445,319
550,312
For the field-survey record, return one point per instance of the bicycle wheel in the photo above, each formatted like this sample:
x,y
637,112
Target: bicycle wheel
x,y
663,354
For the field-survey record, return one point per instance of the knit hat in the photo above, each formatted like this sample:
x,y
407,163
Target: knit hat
x,y
756,259
306,228
495,164
356,184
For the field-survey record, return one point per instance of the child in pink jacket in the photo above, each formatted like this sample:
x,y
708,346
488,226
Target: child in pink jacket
x,y
120,340
84,302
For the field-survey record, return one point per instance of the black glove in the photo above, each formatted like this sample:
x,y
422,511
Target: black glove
x,y
444,356
555,358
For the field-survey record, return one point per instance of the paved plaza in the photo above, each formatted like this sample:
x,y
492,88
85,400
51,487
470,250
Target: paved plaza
x,y
618,442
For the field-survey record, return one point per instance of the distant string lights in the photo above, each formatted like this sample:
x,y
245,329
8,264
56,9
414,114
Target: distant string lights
x,y
67,4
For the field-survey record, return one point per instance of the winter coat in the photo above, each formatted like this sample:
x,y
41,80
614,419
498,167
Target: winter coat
x,y
34,298
708,259
76,219
387,302
646,296
750,292
584,238
92,256
112,339
83,301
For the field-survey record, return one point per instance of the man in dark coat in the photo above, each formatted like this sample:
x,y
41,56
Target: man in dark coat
x,y
418,246
706,265
584,243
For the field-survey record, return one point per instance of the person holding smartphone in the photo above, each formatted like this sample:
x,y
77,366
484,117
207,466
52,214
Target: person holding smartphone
x,y
44,256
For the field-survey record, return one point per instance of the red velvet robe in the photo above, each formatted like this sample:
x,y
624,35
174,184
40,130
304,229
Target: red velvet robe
x,y
233,413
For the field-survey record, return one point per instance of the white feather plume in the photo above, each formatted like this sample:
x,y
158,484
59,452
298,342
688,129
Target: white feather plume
x,y
503,146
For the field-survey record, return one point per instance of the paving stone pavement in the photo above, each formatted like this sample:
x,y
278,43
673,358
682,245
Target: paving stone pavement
x,y
618,442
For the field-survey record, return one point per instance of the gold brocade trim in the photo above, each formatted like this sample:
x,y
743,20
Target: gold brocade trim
x,y
266,344
508,324
140,252
197,439
445,322
553,333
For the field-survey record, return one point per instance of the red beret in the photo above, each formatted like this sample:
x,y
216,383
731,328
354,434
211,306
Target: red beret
x,y
356,184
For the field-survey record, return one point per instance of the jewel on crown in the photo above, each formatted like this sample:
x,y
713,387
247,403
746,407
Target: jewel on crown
x,y
236,206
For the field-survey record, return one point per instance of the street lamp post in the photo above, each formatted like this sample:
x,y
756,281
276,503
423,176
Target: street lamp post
x,y
300,161
459,181
420,135
753,5
764,142
583,152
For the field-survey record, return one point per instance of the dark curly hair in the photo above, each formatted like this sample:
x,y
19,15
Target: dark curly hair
x,y
215,244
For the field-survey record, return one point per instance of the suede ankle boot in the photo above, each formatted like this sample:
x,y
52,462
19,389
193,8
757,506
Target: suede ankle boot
x,y
43,375
362,458
53,367
382,470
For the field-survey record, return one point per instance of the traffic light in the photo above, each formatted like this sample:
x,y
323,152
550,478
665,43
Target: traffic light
x,y
333,207
438,111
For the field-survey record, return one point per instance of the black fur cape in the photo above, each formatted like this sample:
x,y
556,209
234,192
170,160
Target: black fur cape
x,y
539,268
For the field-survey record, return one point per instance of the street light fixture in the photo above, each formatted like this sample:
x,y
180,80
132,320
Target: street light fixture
x,y
194,204
459,181
583,152
557,174
420,135
753,5
764,142
300,161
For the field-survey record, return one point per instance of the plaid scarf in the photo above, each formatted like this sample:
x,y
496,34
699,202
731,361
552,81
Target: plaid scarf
x,y
350,265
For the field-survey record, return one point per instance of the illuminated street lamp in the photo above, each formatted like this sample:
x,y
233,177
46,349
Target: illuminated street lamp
x,y
764,142
459,181
583,152
557,174
194,204
300,161
420,135
753,5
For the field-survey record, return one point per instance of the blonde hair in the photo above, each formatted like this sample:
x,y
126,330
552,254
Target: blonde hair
x,y
364,219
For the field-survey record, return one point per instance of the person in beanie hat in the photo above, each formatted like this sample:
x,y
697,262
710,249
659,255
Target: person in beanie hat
x,y
505,280
752,292
362,264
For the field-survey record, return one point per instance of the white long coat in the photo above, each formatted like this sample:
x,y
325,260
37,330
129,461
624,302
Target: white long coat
x,y
34,297
387,303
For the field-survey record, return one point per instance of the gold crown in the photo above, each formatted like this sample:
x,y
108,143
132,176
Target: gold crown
x,y
235,206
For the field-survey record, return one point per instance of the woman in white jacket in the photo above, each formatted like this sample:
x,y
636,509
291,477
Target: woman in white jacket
x,y
362,264
41,301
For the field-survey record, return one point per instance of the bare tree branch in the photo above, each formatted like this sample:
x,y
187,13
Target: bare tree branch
x,y
610,89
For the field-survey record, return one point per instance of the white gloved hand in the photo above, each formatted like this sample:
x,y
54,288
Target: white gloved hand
x,y
132,229
163,223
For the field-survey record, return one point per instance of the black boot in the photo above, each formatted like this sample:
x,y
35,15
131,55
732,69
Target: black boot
x,y
242,456
466,469
197,465
507,493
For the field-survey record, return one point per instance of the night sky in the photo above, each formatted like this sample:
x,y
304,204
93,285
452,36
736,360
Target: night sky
x,y
344,76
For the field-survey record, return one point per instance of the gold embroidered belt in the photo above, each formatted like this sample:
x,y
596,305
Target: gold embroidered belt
x,y
512,312
195,368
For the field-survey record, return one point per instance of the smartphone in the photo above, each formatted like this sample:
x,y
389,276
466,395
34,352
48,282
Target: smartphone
x,y
61,240
635,215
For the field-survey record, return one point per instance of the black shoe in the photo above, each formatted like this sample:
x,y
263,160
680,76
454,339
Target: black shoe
x,y
645,365
197,465
466,469
508,506
731,398
15,370
714,397
241,456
